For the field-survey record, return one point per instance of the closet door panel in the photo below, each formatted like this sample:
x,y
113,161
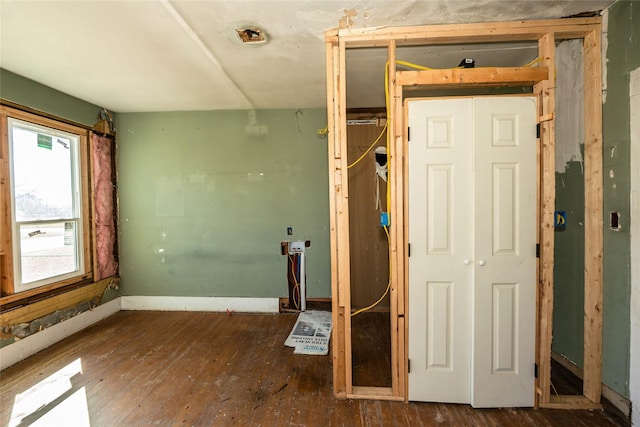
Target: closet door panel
x,y
441,238
504,286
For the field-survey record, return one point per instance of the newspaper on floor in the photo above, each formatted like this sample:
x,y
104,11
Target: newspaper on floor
x,y
311,333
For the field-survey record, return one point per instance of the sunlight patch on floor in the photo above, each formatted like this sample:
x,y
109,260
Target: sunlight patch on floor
x,y
53,401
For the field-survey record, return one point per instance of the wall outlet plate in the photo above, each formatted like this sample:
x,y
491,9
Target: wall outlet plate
x,y
296,247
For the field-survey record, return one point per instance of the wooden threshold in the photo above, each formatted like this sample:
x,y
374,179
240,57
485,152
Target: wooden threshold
x,y
472,77
377,393
570,402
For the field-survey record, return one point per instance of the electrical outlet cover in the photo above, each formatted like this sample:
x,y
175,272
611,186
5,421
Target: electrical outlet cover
x,y
296,247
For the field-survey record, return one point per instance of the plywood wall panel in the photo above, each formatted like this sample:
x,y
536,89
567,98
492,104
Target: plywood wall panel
x,y
369,250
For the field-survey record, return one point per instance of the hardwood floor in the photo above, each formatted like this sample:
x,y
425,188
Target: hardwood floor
x,y
211,369
371,349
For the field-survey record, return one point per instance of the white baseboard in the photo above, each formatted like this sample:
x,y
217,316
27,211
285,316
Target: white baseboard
x,y
218,304
616,399
21,349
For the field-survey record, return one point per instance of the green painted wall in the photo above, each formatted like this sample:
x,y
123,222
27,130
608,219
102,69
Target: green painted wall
x,y
623,56
204,205
568,291
34,95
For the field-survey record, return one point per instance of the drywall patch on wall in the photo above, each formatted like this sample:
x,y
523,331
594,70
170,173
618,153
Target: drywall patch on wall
x,y
569,104
634,371
170,190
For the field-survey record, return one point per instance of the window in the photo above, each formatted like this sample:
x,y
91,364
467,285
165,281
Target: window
x,y
48,220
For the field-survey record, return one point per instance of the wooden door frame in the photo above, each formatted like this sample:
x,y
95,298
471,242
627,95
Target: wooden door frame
x,y
542,79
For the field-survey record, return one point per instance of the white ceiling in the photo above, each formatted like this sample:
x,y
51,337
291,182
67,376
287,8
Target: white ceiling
x,y
166,55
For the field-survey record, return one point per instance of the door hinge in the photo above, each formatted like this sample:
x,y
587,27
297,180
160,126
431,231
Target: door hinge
x,y
535,370
409,249
408,134
409,366
538,130
537,250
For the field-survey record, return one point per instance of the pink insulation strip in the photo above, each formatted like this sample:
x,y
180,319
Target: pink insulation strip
x,y
104,221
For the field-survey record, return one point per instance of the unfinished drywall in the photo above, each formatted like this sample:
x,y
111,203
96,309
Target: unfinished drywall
x,y
568,307
622,57
568,288
206,198
369,253
569,103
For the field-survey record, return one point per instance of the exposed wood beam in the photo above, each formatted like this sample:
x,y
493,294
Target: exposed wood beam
x,y
546,99
333,138
472,77
394,171
470,33
63,301
593,232
6,244
342,190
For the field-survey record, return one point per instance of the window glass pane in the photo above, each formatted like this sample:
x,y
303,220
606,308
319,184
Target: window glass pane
x,y
42,175
46,216
48,250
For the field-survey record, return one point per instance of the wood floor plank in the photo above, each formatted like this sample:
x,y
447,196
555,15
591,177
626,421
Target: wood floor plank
x,y
371,348
211,369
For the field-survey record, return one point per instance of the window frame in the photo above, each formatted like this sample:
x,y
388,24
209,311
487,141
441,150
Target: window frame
x,y
8,225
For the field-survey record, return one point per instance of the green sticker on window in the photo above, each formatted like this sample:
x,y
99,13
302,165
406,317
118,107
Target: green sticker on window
x,y
45,141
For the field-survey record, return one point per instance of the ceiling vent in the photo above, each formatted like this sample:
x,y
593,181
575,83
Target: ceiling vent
x,y
252,35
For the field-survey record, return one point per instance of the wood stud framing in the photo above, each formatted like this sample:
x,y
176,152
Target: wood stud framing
x,y
91,293
6,255
546,94
473,77
542,78
333,137
593,218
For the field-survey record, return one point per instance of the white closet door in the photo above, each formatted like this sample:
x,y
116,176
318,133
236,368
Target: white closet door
x,y
472,185
440,226
505,251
